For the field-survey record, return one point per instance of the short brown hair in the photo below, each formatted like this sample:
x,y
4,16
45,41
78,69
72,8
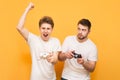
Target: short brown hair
x,y
46,19
85,22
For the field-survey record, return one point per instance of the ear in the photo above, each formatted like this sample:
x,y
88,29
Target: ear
x,y
51,29
89,31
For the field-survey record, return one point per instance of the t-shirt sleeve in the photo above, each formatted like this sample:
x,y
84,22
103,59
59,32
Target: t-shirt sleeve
x,y
65,45
31,38
58,46
93,56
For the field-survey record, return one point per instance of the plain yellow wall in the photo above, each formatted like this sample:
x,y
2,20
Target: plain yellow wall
x,y
15,60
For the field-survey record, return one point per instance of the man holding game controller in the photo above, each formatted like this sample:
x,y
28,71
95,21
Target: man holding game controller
x,y
79,54
44,48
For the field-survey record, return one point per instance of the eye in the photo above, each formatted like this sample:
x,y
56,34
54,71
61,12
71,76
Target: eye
x,y
43,28
48,28
78,28
83,29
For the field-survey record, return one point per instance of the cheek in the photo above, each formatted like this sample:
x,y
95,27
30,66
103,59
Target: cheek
x,y
84,33
50,31
41,30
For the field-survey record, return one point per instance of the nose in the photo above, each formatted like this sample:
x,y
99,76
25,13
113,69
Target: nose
x,y
80,31
45,30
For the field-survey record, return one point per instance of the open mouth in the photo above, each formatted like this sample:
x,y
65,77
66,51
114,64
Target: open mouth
x,y
45,35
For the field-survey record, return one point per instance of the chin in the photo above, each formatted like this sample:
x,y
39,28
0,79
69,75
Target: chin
x,y
81,38
45,39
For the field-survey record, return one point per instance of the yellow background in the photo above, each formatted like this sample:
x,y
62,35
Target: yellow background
x,y
15,60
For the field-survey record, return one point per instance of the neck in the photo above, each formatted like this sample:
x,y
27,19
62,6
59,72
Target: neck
x,y
82,40
45,40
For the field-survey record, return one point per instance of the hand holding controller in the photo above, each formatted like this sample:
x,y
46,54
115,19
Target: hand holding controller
x,y
75,55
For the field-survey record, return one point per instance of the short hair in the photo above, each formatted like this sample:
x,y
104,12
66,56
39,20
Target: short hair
x,y
46,19
85,22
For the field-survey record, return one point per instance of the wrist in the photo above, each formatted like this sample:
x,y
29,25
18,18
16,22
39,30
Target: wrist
x,y
83,63
27,9
65,56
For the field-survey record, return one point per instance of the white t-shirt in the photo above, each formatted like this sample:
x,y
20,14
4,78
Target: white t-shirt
x,y
41,68
72,70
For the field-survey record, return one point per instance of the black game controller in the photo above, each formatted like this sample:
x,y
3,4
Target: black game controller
x,y
76,55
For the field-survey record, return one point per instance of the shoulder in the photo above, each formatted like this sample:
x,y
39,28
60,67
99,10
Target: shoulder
x,y
32,37
54,39
91,43
70,37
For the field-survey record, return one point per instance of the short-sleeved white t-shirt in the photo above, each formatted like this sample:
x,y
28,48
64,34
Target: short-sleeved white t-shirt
x,y
41,68
72,70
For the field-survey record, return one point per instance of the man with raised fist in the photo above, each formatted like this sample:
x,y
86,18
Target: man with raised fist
x,y
44,48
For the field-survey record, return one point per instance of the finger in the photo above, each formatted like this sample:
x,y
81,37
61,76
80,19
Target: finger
x,y
48,56
31,5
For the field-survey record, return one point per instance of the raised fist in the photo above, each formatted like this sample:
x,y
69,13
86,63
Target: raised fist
x,y
30,6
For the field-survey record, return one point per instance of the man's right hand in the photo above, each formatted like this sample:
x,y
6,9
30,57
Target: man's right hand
x,y
30,6
69,54
20,27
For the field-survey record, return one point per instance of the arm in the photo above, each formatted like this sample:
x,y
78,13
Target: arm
x,y
88,65
53,57
61,56
64,56
20,27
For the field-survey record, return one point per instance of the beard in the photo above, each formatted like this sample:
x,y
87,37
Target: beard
x,y
81,37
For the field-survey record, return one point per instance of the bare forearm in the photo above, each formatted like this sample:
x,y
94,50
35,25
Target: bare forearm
x,y
55,58
52,57
23,17
22,20
20,27
61,57
89,66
